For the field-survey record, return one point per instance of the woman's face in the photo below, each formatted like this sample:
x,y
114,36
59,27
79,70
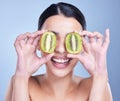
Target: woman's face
x,y
60,65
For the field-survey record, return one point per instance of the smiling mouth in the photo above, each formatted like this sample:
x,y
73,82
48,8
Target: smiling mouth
x,y
60,60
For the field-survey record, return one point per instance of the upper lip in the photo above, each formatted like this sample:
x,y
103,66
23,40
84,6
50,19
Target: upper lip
x,y
60,57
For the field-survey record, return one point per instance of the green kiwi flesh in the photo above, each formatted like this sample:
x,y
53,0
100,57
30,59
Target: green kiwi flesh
x,y
48,42
73,43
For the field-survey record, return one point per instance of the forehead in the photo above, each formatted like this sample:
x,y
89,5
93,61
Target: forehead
x,y
62,24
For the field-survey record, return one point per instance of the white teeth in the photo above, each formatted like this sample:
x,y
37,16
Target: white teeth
x,y
60,60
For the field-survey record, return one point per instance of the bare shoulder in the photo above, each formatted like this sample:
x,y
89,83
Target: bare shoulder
x,y
35,80
34,84
85,85
84,82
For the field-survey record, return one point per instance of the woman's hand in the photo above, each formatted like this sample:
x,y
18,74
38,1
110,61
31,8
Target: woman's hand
x,y
94,52
28,62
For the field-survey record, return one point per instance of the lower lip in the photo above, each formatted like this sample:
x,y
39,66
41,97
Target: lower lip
x,y
60,65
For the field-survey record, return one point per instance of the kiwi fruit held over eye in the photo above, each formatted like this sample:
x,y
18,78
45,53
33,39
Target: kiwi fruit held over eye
x,y
48,42
73,43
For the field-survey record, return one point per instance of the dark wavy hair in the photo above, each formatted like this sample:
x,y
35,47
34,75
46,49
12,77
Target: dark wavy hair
x,y
66,9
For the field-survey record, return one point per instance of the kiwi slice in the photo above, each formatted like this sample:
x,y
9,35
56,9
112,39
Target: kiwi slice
x,y
48,42
73,43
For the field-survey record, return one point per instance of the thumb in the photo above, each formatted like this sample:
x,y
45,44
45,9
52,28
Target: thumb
x,y
80,57
107,39
45,58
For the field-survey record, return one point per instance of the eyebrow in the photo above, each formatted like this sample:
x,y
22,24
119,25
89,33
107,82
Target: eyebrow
x,y
56,33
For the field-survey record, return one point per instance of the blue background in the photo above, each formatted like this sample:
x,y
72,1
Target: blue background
x,y
21,16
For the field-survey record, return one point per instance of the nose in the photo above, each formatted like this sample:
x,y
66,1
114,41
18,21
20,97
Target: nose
x,y
60,48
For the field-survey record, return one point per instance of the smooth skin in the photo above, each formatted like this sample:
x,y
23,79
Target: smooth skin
x,y
59,83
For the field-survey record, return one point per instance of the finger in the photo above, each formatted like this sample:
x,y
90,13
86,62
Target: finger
x,y
107,39
25,36
18,38
86,33
80,56
33,36
30,40
90,35
86,45
22,43
17,46
37,33
30,37
93,38
45,58
73,56
36,41
99,37
17,43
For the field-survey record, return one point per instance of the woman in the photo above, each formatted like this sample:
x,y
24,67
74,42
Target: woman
x,y
59,83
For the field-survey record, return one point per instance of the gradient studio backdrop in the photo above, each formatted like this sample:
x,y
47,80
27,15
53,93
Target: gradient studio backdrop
x,y
19,16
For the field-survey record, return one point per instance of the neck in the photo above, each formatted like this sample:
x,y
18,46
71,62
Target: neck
x,y
59,85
